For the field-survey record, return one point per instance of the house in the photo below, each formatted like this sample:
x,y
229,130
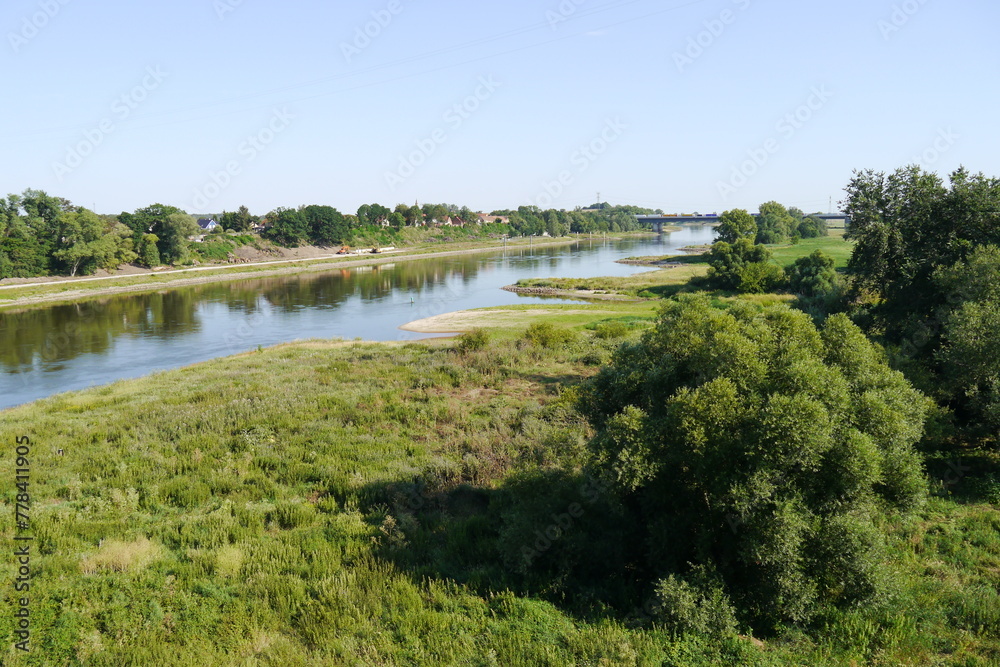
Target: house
x,y
207,224
486,219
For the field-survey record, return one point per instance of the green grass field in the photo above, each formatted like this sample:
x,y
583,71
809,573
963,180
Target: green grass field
x,y
834,245
330,503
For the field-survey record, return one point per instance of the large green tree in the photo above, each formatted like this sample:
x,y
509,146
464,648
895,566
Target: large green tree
x,y
906,226
968,361
169,224
289,227
759,455
326,225
775,224
736,224
86,242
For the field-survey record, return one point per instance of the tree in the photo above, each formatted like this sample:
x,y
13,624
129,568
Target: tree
x,y
906,226
736,224
240,221
84,242
969,356
173,232
288,227
813,275
169,224
326,225
468,216
415,216
758,454
149,254
373,214
23,254
435,212
743,267
812,227
774,224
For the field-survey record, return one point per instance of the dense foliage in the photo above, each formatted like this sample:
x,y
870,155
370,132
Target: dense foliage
x,y
743,267
907,225
923,271
41,235
757,453
736,224
813,275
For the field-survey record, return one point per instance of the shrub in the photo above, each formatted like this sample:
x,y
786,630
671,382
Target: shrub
x,y
544,334
813,275
613,329
118,556
473,341
293,514
743,267
702,608
754,445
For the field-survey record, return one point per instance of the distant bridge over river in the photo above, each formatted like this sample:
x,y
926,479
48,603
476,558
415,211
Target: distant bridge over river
x,y
658,222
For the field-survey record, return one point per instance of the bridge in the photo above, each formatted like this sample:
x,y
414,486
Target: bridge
x,y
659,221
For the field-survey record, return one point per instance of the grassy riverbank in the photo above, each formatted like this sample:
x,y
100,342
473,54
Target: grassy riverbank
x,y
328,503
677,272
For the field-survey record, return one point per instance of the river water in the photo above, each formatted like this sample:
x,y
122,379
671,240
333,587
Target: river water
x,y
45,351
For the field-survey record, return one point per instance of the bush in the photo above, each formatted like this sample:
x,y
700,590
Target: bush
x,y
743,267
753,445
613,329
473,341
813,275
702,608
544,334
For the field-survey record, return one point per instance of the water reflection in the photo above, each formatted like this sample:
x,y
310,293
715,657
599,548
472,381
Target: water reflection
x,y
59,348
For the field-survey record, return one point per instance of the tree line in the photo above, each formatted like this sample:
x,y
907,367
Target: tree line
x,y
43,235
922,280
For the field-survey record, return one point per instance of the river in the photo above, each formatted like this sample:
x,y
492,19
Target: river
x,y
49,350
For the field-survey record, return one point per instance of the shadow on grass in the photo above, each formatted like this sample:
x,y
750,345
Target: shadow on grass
x,y
549,534
967,475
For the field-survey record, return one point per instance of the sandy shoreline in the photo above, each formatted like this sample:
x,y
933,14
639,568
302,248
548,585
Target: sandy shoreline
x,y
463,320
286,267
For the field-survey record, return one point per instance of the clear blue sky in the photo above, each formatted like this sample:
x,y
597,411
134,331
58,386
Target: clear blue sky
x,y
117,105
